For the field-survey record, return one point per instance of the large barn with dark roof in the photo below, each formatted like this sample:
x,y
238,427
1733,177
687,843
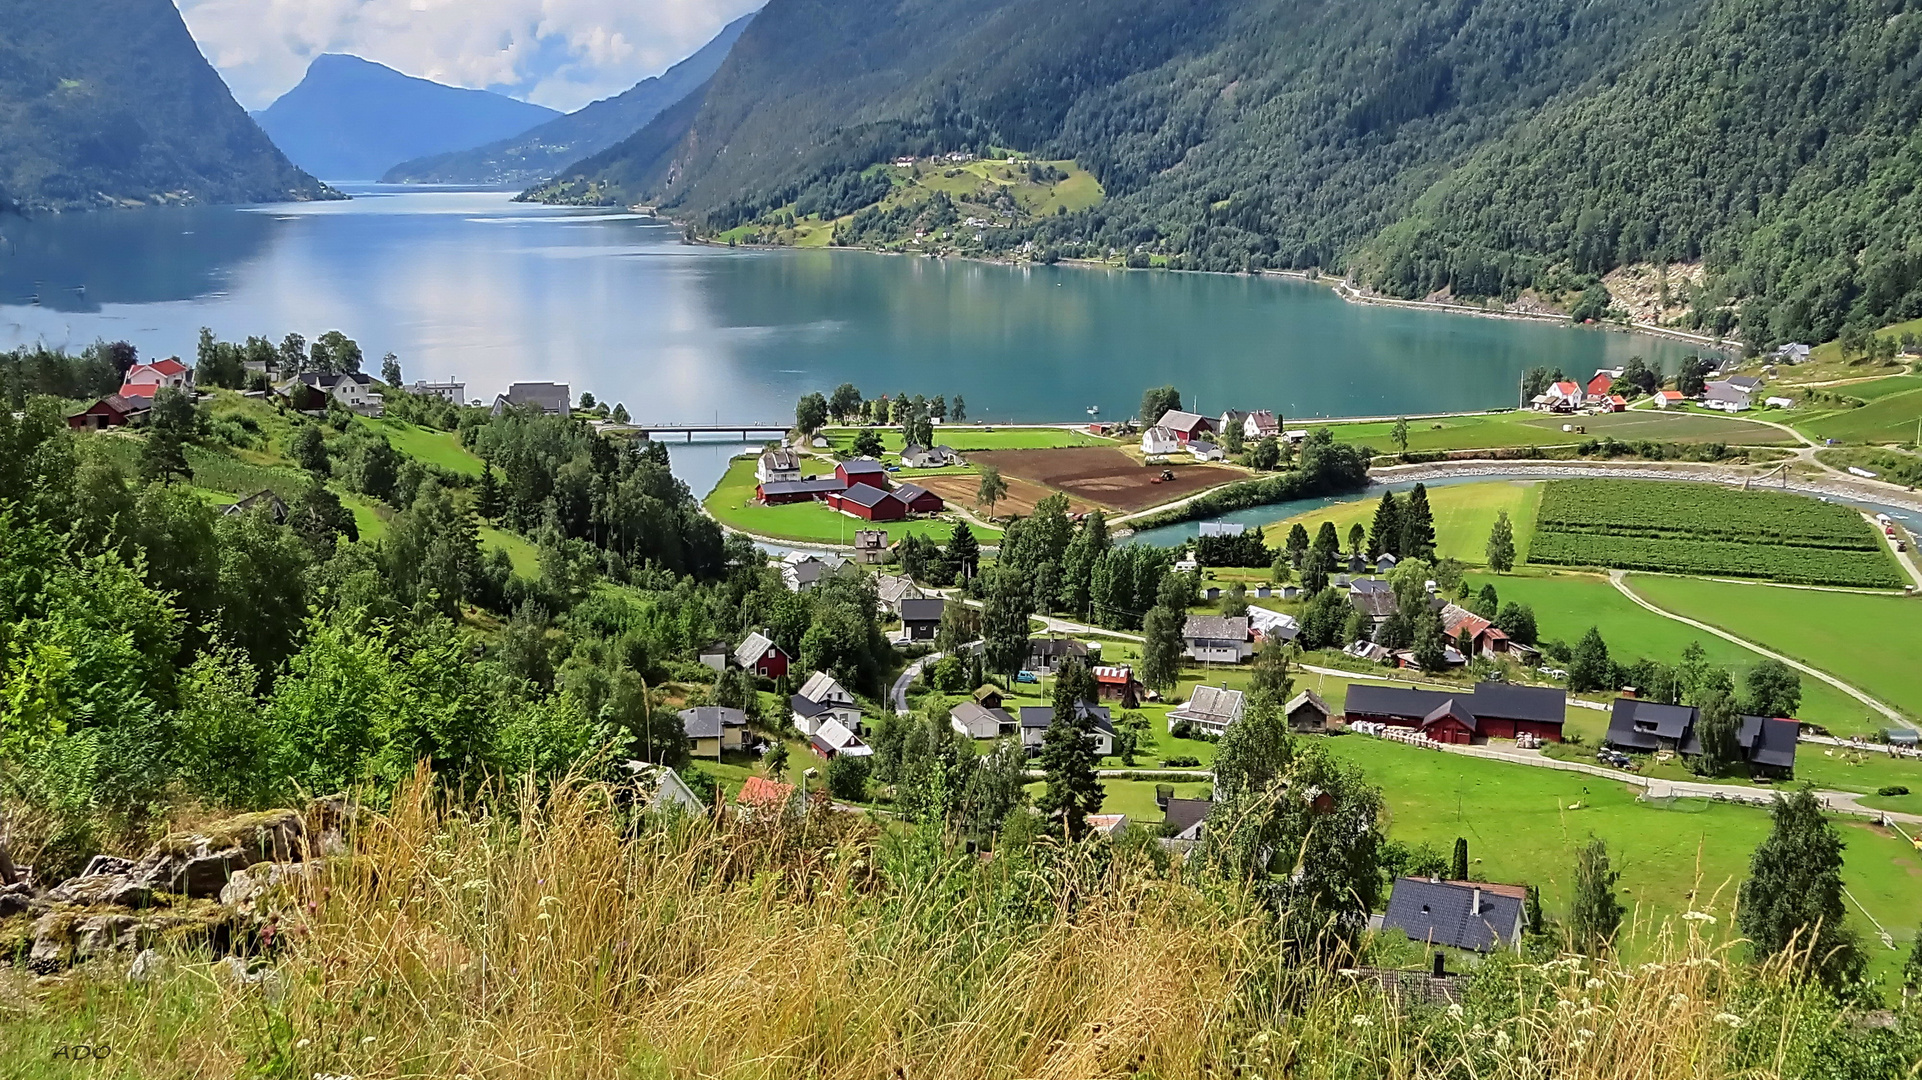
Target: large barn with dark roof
x,y
1492,711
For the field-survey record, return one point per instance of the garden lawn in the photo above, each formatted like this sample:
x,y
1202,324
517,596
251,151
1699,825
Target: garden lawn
x,y
1871,642
1566,605
1464,514
966,437
732,504
426,445
1524,825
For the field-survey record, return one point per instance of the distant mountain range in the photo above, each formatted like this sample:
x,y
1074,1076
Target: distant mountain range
x,y
1471,148
535,155
110,103
353,119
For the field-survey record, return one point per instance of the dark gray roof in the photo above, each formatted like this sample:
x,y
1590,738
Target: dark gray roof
x,y
1440,913
1770,741
1182,814
1511,702
708,721
818,486
863,466
922,610
866,495
1453,707
1041,716
909,492
1216,627
1369,699
1643,725
808,707
1056,647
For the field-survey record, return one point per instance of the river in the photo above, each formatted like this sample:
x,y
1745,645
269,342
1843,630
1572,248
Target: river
x,y
470,285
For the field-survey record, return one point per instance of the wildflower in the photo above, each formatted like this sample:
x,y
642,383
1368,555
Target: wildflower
x,y
1699,916
1592,983
1363,1020
1730,1019
1501,1039
303,1044
1677,1000
1455,1012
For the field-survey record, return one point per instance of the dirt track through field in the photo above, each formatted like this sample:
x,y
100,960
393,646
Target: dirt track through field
x,y
1103,476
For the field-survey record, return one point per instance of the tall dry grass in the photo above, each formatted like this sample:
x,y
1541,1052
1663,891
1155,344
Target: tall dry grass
x,y
559,940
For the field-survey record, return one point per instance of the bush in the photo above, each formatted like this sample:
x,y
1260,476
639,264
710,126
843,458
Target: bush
x,y
1182,729
1181,761
1892,789
848,778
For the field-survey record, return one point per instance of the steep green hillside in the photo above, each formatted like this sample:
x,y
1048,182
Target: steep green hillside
x,y
1479,147
535,155
110,102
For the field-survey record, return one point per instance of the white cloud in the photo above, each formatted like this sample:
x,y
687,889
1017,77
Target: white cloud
x,y
559,53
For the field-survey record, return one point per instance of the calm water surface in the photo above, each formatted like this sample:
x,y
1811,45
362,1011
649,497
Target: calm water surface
x,y
470,285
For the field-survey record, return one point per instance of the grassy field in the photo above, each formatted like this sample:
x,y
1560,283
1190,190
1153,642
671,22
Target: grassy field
x,y
1890,416
1525,824
1566,605
1483,431
1464,514
432,447
966,437
1872,642
732,504
526,557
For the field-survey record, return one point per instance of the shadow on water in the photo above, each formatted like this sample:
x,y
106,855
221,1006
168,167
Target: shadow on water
x,y
79,262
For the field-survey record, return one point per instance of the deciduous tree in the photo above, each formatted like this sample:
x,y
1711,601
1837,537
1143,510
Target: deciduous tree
x,y
1793,895
1595,914
1501,544
991,490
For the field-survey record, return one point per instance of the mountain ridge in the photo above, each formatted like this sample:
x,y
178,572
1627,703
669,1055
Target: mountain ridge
x,y
540,152
353,119
111,104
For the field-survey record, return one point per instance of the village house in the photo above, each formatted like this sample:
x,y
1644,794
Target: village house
x,y
833,739
1492,711
715,654
919,500
114,410
1158,441
1107,825
350,388
1233,418
868,503
170,374
1215,639
870,546
1601,386
1792,353
712,729
1261,424
777,466
1182,819
1308,714
979,722
1726,395
1186,426
800,570
1273,625
1484,637
922,457
820,699
1203,450
1036,719
1635,725
1665,398
554,399
764,798
1047,654
921,618
1471,915
1212,709
759,654
1563,396
892,589
862,471
1117,683
1374,598
662,787
446,391
273,504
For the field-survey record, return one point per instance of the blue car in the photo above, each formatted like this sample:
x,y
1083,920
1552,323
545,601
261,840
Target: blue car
x,y
1026,676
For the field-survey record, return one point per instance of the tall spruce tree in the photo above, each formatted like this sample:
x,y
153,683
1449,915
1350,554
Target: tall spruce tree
x,y
1328,541
1595,914
1793,895
1297,543
1501,544
1067,757
1458,868
964,551
1417,526
1384,537
1004,622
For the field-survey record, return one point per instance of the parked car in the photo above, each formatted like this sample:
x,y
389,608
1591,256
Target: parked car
x,y
1026,676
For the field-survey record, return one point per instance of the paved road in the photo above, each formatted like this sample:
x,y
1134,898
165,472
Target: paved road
x,y
1616,578
898,695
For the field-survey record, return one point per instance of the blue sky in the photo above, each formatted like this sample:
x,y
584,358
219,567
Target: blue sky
x,y
558,53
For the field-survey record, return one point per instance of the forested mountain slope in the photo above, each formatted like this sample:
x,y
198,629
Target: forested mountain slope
x,y
353,119
1482,147
535,155
110,102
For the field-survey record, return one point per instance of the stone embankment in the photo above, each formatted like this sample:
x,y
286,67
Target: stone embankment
x,y
217,888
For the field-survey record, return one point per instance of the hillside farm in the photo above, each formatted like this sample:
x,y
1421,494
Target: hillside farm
x,y
1707,529
1105,476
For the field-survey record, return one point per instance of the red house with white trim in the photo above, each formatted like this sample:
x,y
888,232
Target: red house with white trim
x,y
868,503
919,499
862,471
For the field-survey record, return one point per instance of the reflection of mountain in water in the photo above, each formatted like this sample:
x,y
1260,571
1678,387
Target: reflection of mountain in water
x,y
77,262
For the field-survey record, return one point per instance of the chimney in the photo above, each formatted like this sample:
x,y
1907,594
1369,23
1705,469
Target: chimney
x,y
1475,904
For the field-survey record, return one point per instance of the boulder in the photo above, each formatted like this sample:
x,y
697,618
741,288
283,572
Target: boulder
x,y
69,935
148,967
198,863
107,864
119,889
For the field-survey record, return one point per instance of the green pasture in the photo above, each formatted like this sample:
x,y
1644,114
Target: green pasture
x,y
1524,825
1464,514
426,445
732,504
1485,431
1889,417
1873,642
525,556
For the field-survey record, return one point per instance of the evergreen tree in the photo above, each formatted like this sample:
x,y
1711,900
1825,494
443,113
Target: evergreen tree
x,y
1083,553
487,501
1297,543
959,412
1357,539
1488,602
1328,541
1595,914
1590,668
1385,536
1067,756
1418,527
867,443
1458,869
1793,895
1501,544
964,551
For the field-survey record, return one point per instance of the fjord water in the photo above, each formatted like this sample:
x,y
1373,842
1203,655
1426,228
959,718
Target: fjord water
x,y
471,285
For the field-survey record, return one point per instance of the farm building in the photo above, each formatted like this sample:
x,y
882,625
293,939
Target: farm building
x,y
919,500
1158,441
114,410
1308,714
780,492
1472,915
1485,637
1186,426
1215,639
868,503
978,722
862,471
1210,708
1767,744
1492,711
1203,450
759,654
1564,396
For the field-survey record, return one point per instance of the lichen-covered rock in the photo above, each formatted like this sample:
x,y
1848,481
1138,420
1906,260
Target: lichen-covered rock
x,y
198,863
147,967
246,888
69,935
119,889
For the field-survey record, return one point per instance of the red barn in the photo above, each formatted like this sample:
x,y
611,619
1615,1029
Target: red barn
x,y
868,503
778,492
919,499
1493,711
114,410
862,471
